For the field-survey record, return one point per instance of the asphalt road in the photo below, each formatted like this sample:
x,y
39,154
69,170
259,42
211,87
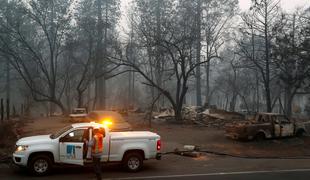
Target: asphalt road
x,y
293,174
252,175
181,168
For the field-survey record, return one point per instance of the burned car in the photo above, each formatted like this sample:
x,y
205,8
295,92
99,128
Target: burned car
x,y
266,126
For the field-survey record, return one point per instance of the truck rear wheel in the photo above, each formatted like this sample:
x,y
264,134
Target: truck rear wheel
x,y
260,136
40,165
133,161
300,133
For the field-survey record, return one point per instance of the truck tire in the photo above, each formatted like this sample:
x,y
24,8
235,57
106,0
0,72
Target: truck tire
x,y
40,165
133,161
300,133
260,136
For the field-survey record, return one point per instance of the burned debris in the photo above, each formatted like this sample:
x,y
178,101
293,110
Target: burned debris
x,y
215,118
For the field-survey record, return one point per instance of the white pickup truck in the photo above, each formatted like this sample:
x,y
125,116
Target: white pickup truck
x,y
40,153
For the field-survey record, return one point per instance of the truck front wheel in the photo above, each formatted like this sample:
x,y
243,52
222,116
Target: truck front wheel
x,y
260,136
133,161
40,165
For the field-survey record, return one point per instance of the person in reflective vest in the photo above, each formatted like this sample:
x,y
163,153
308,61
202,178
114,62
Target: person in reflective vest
x,y
97,147
96,143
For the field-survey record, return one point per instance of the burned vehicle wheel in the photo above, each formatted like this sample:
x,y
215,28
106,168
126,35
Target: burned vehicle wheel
x,y
40,165
300,133
260,136
133,161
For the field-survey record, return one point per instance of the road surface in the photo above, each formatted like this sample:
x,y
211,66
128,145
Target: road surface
x,y
298,174
179,167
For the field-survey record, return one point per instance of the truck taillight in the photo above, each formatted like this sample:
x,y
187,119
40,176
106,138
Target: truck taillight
x,y
158,145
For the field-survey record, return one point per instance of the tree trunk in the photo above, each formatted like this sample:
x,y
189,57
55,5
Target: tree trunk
x,y
257,93
61,106
245,103
207,102
100,81
80,99
198,32
288,100
267,56
158,57
226,102
2,110
8,72
8,109
289,107
232,104
268,98
178,113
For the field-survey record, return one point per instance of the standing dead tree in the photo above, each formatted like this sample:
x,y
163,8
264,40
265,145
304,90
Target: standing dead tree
x,y
174,46
37,30
258,28
215,24
180,67
291,53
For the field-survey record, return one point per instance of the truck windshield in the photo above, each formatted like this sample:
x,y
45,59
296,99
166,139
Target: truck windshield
x,y
60,132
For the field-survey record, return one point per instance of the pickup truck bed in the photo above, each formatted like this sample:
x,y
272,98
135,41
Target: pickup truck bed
x,y
133,135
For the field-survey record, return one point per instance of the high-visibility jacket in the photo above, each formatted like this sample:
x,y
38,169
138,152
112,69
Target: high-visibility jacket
x,y
98,145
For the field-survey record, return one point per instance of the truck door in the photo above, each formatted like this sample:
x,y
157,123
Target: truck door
x,y
287,127
277,128
71,147
283,127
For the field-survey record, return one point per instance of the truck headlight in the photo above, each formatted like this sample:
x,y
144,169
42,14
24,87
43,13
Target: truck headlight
x,y
21,148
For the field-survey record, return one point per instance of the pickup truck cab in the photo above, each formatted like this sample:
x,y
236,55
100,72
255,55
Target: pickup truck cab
x,y
40,153
265,126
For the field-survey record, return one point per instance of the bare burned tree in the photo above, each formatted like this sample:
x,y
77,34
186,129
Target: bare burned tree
x,y
259,23
290,53
37,31
216,17
177,43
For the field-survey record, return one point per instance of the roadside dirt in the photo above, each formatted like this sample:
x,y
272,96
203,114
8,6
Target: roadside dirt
x,y
44,125
8,136
176,136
